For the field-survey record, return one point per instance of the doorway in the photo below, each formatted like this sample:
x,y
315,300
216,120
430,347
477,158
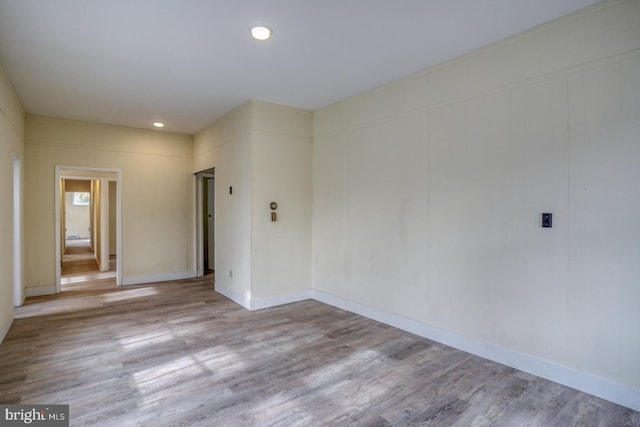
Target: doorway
x,y
84,257
208,214
206,220
88,230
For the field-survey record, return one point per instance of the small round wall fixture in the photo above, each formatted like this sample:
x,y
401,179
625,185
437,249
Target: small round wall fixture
x,y
261,32
158,124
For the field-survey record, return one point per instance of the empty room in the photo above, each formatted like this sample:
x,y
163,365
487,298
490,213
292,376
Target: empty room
x,y
320,213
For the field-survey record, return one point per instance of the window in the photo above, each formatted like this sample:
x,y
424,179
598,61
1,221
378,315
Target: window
x,y
80,198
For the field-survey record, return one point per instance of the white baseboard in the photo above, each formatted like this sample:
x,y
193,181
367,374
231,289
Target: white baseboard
x,y
6,324
139,280
579,380
233,296
36,291
260,303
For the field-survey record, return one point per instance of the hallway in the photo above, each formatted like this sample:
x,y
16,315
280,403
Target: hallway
x,y
79,264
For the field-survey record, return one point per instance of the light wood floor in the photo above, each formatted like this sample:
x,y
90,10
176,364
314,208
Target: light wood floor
x,y
177,353
79,264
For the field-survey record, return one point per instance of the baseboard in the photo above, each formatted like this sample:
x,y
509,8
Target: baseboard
x,y
139,280
6,324
260,303
36,291
233,296
579,380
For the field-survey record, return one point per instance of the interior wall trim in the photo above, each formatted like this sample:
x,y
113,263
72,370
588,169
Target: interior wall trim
x,y
260,303
234,296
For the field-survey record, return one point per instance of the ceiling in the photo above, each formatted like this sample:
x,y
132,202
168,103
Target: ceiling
x,y
188,62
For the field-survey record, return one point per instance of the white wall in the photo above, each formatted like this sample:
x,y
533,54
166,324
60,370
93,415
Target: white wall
x,y
226,145
604,226
281,250
427,195
264,151
11,146
156,196
77,218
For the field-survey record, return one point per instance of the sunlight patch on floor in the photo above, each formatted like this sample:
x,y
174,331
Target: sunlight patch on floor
x,y
66,280
143,340
52,307
128,294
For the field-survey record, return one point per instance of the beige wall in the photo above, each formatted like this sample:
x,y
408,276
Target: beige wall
x,y
427,195
11,146
264,151
156,196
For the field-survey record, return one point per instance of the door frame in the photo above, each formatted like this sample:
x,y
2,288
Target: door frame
x,y
210,219
88,173
199,225
19,293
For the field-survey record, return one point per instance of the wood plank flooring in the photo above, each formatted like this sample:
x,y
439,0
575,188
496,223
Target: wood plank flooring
x,y
179,354
79,264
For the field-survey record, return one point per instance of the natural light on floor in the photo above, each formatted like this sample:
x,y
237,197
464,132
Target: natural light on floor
x,y
83,278
128,294
143,340
159,377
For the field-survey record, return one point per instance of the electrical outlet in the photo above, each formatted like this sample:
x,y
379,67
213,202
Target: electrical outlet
x,y
230,274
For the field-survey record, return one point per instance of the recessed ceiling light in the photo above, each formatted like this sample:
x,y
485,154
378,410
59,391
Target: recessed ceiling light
x,y
261,33
158,124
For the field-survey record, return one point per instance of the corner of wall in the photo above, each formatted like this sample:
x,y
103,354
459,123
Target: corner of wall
x,y
11,148
6,324
10,105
